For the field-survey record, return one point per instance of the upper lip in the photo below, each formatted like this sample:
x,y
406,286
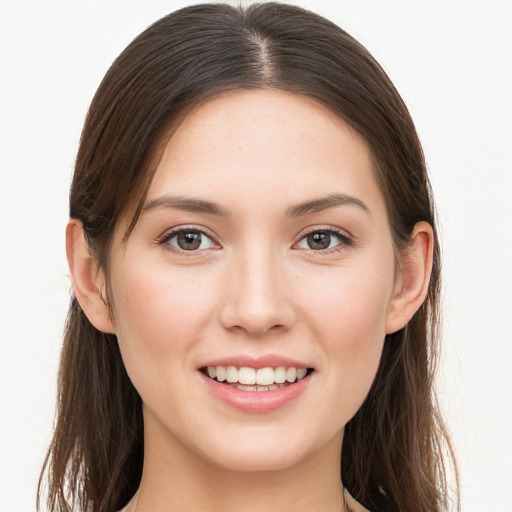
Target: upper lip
x,y
262,361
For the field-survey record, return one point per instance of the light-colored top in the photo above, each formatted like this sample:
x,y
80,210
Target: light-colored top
x,y
353,505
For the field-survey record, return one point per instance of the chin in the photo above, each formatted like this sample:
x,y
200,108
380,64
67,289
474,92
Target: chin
x,y
259,461
269,451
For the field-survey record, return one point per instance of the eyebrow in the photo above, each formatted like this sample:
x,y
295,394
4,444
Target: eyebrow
x,y
207,207
186,204
318,205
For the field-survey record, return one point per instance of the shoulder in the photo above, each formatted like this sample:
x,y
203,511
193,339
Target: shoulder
x,y
353,505
381,503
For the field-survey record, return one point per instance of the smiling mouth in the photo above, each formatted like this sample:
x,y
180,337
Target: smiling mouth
x,y
256,379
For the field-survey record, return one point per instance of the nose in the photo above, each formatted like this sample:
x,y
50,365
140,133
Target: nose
x,y
256,297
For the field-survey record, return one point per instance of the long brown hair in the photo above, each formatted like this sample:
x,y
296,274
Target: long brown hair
x,y
394,445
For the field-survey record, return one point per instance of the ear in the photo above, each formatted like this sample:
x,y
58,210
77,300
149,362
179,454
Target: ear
x,y
413,278
88,281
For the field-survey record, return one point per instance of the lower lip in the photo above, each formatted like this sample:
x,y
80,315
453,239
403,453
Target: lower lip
x,y
256,401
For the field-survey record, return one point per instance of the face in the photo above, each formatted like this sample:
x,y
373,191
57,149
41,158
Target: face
x,y
263,253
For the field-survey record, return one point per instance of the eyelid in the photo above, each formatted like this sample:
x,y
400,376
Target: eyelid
x,y
346,239
172,232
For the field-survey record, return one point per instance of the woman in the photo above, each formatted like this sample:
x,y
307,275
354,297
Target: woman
x,y
255,270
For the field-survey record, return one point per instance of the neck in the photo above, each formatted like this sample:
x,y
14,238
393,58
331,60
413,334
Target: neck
x,y
174,478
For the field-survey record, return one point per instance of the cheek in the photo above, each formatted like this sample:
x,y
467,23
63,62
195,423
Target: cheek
x,y
348,315
158,317
163,304
349,305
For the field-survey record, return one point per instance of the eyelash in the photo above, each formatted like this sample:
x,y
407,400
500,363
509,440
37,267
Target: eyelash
x,y
345,240
169,235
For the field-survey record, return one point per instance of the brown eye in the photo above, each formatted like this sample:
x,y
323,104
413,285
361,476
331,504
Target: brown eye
x,y
323,240
188,240
318,240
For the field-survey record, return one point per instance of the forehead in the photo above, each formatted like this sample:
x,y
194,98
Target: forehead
x,y
267,145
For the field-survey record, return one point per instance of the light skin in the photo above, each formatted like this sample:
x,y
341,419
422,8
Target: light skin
x,y
274,167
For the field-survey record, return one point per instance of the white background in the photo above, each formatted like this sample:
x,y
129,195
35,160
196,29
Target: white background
x,y
450,60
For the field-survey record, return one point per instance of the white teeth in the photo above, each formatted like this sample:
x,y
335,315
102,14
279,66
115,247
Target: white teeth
x,y
244,387
221,373
261,379
291,374
247,375
265,376
231,374
280,375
